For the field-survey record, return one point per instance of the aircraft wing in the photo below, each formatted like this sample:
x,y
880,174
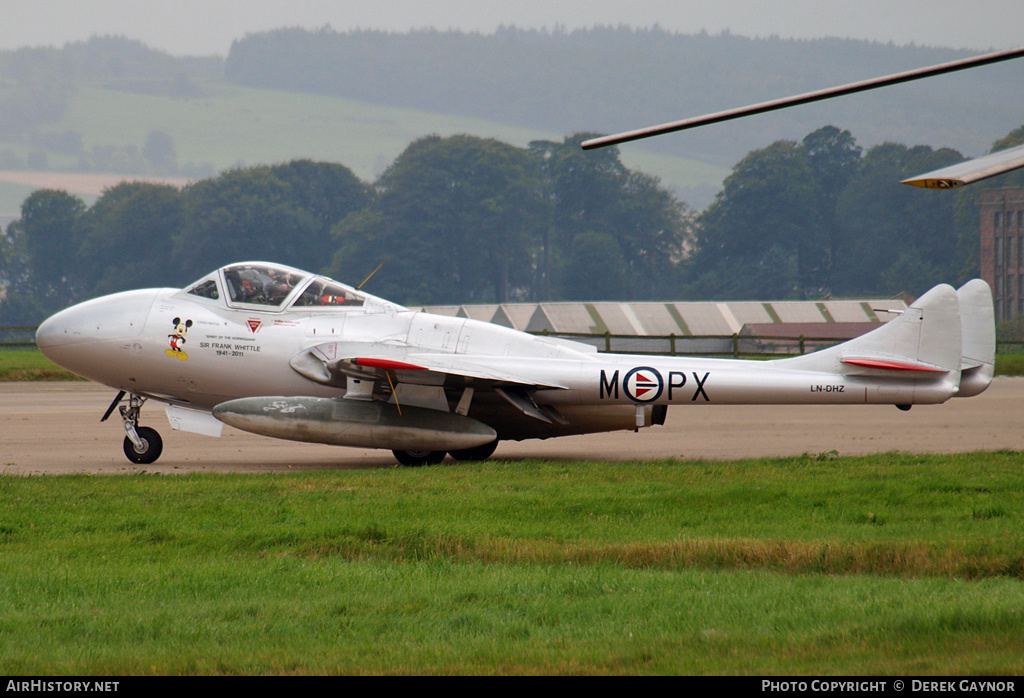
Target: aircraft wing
x,y
806,98
332,363
497,369
971,171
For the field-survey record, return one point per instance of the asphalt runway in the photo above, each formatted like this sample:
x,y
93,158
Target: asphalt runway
x,y
54,428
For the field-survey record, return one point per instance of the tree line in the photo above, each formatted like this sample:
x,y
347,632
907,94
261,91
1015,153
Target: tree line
x,y
463,219
821,217
458,220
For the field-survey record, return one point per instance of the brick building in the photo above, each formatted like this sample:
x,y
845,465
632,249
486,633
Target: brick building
x,y
1001,255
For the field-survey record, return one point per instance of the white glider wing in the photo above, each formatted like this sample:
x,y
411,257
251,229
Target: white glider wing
x,y
971,171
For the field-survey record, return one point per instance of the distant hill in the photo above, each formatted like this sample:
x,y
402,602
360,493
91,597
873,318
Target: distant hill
x,y
234,126
613,79
359,98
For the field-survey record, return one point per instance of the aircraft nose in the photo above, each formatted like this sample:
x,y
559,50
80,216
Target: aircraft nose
x,y
63,336
58,330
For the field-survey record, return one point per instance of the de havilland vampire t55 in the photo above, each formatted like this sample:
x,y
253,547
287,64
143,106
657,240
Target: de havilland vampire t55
x,y
281,352
285,353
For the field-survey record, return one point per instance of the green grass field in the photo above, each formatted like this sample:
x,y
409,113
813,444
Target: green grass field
x,y
1010,365
30,365
884,565
892,564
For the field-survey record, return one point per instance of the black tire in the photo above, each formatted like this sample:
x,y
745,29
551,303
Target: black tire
x,y
154,446
416,458
482,452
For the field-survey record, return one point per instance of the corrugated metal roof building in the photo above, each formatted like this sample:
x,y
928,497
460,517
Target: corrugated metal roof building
x,y
687,327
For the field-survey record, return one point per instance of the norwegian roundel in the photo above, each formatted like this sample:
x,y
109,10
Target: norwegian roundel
x,y
643,384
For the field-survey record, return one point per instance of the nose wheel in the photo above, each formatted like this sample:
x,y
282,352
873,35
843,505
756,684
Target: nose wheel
x,y
142,445
151,446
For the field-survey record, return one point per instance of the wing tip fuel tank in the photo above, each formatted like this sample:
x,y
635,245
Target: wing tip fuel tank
x,y
362,423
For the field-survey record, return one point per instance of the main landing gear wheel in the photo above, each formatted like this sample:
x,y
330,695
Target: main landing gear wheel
x,y
417,458
482,452
152,444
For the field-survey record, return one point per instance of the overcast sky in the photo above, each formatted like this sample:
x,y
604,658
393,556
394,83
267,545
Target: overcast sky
x,y
204,27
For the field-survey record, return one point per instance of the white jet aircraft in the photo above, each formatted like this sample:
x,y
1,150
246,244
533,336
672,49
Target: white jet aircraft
x,y
285,353
281,352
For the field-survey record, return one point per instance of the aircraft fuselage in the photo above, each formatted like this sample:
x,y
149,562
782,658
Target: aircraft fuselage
x,y
208,345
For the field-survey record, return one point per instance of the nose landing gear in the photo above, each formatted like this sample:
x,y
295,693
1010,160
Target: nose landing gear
x,y
145,448
142,445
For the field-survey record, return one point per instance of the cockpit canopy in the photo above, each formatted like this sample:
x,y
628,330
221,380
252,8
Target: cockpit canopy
x,y
268,287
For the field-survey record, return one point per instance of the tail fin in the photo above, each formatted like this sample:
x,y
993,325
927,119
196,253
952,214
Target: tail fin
x,y
977,319
924,342
942,332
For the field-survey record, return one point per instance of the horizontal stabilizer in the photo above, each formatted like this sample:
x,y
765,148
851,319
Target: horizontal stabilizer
x,y
925,339
922,344
889,364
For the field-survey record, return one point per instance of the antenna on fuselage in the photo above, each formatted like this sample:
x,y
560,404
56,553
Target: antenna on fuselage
x,y
372,273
